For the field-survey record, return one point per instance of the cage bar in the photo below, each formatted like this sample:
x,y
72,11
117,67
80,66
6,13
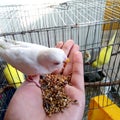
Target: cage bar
x,y
90,23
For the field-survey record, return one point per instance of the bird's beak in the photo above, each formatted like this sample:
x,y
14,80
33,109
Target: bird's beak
x,y
59,70
67,60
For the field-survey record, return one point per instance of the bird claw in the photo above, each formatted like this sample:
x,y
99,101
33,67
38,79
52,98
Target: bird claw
x,y
30,79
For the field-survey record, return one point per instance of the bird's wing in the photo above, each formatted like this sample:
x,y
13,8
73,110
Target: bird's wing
x,y
105,53
8,43
22,58
103,56
113,39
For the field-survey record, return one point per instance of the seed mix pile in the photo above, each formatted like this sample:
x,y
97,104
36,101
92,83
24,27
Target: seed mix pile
x,y
54,97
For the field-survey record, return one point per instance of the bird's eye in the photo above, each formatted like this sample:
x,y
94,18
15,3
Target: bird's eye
x,y
56,63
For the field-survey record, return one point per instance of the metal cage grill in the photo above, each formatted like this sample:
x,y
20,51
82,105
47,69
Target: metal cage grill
x,y
90,23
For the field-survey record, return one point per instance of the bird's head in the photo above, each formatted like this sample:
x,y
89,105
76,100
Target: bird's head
x,y
87,56
52,60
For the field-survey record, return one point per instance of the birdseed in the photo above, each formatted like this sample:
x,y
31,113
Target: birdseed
x,y
55,99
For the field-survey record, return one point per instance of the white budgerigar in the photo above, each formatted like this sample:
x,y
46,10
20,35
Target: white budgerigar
x,y
32,59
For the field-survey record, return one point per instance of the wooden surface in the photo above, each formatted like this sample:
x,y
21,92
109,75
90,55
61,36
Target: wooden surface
x,y
112,12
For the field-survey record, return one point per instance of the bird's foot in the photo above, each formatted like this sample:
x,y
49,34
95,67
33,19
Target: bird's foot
x,y
30,78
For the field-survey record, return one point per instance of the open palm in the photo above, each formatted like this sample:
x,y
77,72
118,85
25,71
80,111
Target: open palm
x,y
26,103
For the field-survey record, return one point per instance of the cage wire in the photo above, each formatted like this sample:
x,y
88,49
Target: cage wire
x,y
90,23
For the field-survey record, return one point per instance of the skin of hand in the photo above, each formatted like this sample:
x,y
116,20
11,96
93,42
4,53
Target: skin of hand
x,y
26,103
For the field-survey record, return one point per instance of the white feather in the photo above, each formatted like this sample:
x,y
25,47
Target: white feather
x,y
31,58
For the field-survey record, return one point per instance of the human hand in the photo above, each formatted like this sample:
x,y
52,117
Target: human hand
x,y
26,103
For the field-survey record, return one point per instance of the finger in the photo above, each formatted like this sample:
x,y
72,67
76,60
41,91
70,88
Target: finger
x,y
59,44
68,46
78,96
71,92
33,79
77,79
68,68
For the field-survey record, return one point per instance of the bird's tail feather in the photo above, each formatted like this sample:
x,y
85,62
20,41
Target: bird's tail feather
x,y
6,43
113,39
3,44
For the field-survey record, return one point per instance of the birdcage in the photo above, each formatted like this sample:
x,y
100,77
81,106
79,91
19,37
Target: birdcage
x,y
90,23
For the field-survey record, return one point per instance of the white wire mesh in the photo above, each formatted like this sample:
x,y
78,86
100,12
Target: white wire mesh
x,y
27,17
82,13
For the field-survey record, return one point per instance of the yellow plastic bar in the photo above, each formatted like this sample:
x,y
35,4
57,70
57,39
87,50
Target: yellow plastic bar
x,y
13,76
102,108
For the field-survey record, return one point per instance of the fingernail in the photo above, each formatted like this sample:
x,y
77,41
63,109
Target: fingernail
x,y
77,53
60,43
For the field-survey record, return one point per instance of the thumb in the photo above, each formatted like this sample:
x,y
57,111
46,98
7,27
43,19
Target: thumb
x,y
75,94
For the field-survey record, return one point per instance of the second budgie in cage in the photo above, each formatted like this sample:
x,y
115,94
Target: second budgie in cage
x,y
87,56
32,59
105,54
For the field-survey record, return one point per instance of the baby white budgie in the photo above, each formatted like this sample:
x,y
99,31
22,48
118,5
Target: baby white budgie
x,y
32,59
